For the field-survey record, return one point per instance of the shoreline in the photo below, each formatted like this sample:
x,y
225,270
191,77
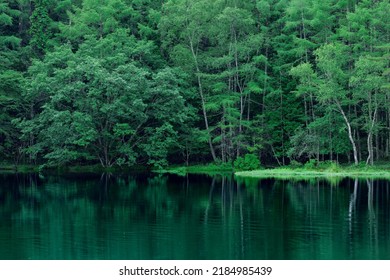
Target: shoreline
x,y
380,171
286,173
12,169
206,169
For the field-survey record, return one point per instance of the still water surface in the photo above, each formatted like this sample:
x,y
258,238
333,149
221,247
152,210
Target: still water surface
x,y
192,217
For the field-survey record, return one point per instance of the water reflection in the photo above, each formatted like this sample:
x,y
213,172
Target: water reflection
x,y
191,217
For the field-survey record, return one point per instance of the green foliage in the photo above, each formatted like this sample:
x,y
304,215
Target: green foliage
x,y
119,82
40,29
295,164
248,162
11,79
161,141
99,107
334,167
311,164
326,164
211,169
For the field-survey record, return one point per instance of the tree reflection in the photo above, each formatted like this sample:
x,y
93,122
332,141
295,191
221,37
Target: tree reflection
x,y
192,217
352,205
372,222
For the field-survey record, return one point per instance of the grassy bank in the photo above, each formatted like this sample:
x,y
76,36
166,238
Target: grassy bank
x,y
288,172
211,169
8,168
309,170
382,171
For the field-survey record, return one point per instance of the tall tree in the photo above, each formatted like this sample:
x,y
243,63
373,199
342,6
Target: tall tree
x,y
40,29
10,80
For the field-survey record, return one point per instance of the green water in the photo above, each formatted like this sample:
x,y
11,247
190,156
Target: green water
x,y
193,217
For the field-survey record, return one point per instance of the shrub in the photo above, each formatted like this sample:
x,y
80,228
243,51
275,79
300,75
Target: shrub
x,y
219,164
239,163
295,164
249,162
327,164
311,164
334,167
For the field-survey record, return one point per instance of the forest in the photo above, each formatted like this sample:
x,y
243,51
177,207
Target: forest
x,y
181,82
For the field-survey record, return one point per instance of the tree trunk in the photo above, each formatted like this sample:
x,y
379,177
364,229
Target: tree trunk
x,y
387,137
223,144
242,102
330,139
350,134
377,147
370,147
200,86
358,144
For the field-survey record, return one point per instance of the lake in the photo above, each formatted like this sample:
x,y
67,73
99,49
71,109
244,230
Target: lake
x,y
81,216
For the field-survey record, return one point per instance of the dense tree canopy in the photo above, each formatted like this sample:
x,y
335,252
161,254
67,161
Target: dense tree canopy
x,y
127,82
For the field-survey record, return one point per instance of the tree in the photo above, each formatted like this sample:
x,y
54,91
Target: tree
x,y
368,85
10,81
120,82
186,20
101,108
40,29
331,83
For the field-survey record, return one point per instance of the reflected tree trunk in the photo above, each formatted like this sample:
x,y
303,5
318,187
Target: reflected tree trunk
x,y
373,229
206,214
352,205
241,221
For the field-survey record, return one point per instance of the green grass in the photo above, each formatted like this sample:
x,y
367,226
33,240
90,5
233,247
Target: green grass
x,y
323,169
361,171
210,169
99,169
10,168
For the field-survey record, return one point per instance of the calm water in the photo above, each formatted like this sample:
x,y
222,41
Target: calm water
x,y
194,217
